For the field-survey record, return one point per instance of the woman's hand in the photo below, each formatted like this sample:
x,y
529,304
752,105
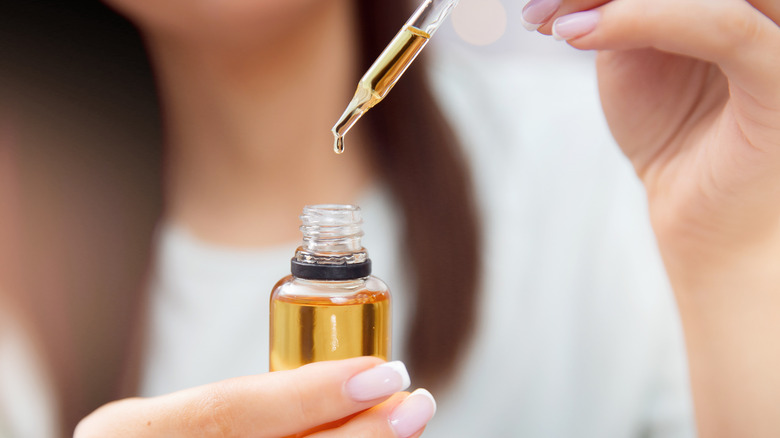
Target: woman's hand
x,y
353,397
691,90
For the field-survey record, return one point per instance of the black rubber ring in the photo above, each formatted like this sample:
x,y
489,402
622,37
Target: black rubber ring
x,y
311,271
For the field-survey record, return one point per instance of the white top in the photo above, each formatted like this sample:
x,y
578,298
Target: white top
x,y
578,334
27,407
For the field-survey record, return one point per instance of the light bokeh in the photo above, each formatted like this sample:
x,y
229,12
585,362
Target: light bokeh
x,y
480,22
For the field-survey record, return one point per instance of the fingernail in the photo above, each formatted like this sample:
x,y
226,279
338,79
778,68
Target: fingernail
x,y
575,25
413,413
537,12
380,381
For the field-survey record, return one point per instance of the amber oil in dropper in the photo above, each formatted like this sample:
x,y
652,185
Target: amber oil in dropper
x,y
331,307
380,79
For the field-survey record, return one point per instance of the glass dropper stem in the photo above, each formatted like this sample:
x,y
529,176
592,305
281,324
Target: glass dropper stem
x,y
431,14
392,63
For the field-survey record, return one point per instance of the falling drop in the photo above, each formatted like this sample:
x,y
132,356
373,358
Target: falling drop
x,y
338,145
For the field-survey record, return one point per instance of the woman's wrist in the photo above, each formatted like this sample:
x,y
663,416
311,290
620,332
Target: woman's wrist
x,y
728,299
706,232
699,257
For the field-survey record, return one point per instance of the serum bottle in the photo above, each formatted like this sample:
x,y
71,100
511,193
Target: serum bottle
x,y
331,307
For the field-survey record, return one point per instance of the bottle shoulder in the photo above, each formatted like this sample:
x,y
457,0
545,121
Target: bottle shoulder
x,y
369,288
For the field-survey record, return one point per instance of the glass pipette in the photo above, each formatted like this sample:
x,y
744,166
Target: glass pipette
x,y
392,63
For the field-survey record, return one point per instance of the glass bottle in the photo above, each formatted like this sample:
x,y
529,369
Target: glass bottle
x,y
331,307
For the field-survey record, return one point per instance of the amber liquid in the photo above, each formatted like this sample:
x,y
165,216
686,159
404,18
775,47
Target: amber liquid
x,y
393,62
309,328
380,79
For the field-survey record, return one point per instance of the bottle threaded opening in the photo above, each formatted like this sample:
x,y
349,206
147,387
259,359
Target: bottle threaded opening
x,y
331,248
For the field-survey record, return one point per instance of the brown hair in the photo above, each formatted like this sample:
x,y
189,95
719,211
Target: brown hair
x,y
89,302
86,145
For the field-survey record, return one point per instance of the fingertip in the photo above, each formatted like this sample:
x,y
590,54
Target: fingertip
x,y
380,381
400,368
576,25
529,26
425,393
536,13
413,414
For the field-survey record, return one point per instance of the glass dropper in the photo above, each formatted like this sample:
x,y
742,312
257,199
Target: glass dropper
x,y
392,63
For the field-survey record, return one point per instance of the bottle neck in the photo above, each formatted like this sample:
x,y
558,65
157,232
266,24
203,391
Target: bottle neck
x,y
331,248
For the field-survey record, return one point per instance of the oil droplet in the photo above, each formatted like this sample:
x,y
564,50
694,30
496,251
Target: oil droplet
x,y
338,145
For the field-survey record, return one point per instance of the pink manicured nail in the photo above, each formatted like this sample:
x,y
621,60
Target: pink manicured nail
x,y
537,12
575,25
413,413
380,381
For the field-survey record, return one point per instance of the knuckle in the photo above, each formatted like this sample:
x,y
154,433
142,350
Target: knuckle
x,y
215,414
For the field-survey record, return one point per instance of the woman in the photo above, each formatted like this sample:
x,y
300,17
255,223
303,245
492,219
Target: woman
x,y
703,142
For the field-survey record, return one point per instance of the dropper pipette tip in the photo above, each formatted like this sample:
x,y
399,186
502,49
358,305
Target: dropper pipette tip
x,y
338,143
391,64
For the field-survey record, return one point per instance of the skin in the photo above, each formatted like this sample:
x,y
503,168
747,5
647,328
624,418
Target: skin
x,y
246,118
691,93
703,133
308,401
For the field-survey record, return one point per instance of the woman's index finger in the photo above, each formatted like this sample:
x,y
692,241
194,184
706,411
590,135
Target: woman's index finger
x,y
269,405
